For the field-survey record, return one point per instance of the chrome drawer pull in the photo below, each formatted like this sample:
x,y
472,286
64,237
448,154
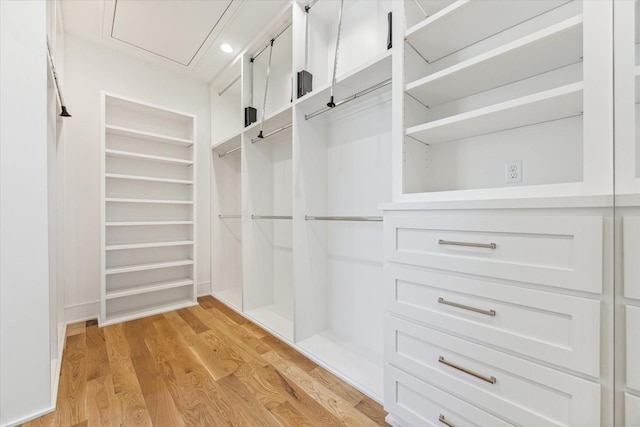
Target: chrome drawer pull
x,y
473,245
444,421
467,307
491,380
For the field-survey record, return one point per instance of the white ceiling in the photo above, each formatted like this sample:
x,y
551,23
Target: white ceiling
x,y
182,35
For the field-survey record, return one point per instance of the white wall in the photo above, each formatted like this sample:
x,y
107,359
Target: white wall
x,y
25,388
90,68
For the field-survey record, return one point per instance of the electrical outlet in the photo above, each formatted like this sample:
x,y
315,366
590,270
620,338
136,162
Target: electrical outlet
x,y
513,172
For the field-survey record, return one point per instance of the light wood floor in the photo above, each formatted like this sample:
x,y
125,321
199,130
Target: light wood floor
x,y
201,366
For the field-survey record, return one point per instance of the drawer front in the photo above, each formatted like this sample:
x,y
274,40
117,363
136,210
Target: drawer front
x,y
418,403
564,252
631,410
559,329
631,255
633,347
517,390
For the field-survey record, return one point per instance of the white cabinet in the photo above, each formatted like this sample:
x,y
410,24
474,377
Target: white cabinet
x,y
148,210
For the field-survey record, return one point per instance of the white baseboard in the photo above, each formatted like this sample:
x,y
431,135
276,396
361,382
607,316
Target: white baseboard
x,y
204,288
81,312
29,418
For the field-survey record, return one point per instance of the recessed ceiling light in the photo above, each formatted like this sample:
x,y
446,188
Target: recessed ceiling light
x,y
226,48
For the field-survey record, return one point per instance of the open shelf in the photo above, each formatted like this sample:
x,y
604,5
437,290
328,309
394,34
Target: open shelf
x,y
545,50
136,223
230,296
272,319
466,22
148,157
273,121
149,245
374,71
147,310
134,133
541,107
150,266
147,288
228,143
148,178
150,201
358,366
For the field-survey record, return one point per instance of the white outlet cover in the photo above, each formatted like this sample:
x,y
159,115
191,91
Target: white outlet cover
x,y
513,172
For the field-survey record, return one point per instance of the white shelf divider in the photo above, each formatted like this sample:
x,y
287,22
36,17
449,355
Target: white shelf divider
x,y
148,178
541,107
148,288
148,157
545,50
149,201
149,245
134,133
148,266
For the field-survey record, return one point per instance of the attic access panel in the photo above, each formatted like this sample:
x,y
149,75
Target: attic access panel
x,y
172,29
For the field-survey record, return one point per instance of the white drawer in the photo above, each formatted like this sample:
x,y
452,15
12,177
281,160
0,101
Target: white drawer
x,y
633,347
559,329
631,255
418,403
517,390
564,252
631,410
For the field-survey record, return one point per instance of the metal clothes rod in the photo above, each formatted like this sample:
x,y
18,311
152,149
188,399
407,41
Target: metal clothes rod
x,y
226,88
229,216
271,40
426,15
267,135
63,107
350,98
342,218
271,217
308,7
230,151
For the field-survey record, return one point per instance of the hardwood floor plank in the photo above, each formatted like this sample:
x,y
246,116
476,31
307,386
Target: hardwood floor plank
x,y
76,328
200,366
159,402
73,382
125,381
373,410
97,359
289,353
339,387
229,312
340,408
102,404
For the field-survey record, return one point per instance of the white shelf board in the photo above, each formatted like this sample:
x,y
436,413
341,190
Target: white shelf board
x,y
637,82
150,201
231,297
147,178
271,319
562,102
135,223
149,157
134,133
149,245
370,73
145,311
147,288
545,50
149,266
359,367
272,121
466,22
228,142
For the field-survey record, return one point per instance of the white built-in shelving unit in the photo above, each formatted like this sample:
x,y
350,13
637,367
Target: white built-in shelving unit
x,y
296,230
524,85
148,210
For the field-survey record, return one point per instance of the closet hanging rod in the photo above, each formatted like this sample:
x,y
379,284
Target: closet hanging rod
x,y
226,88
271,40
267,135
271,217
342,218
233,150
229,216
349,98
63,107
308,7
